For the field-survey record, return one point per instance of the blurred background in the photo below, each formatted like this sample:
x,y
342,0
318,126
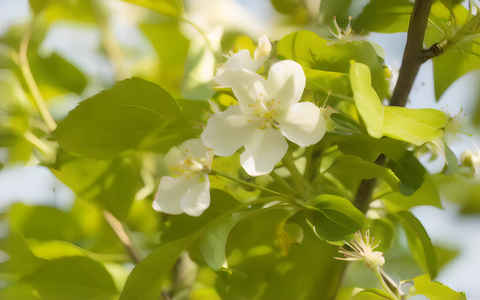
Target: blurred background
x,y
113,40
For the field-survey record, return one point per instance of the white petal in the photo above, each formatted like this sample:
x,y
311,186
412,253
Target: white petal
x,y
194,147
264,150
238,61
248,87
229,130
303,124
170,192
174,156
197,199
286,82
262,52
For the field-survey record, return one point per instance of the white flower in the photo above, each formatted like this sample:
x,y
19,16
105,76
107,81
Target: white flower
x,y
362,249
189,191
268,111
243,60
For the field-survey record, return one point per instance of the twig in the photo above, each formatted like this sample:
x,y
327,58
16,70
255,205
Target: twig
x,y
30,81
117,227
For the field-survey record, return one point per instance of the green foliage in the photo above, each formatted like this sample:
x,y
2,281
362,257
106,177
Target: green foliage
x,y
419,242
434,290
274,236
334,218
141,115
386,16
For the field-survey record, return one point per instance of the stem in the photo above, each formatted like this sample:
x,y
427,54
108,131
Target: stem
x,y
39,144
30,81
289,163
413,54
282,181
109,41
392,295
117,227
248,184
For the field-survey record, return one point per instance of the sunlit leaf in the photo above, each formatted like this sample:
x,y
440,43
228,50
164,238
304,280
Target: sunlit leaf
x,y
110,183
415,126
133,114
368,104
333,8
288,234
434,290
419,242
334,218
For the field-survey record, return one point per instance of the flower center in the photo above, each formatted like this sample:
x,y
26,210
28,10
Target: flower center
x,y
189,166
267,110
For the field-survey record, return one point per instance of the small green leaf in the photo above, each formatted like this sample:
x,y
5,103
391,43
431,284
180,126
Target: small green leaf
x,y
334,218
73,278
344,123
133,114
327,81
410,172
426,194
386,16
171,8
368,104
415,126
435,290
146,279
371,294
419,242
288,234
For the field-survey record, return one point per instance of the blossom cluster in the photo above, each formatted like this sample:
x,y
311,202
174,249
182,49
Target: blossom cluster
x,y
269,111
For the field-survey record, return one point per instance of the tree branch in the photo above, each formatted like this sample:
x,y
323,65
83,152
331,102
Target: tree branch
x,y
414,55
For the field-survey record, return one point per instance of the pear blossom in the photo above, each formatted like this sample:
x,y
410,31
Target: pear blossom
x,y
362,249
243,60
189,190
268,112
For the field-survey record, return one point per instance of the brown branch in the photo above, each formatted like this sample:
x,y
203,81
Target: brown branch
x,y
414,55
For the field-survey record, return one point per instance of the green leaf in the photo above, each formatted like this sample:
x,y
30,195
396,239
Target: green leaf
x,y
426,194
73,278
54,72
146,279
353,169
133,114
410,172
171,8
419,242
386,16
434,290
368,148
368,104
344,123
327,81
334,218
110,183
288,234
195,110
333,8
214,239
415,126
371,294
